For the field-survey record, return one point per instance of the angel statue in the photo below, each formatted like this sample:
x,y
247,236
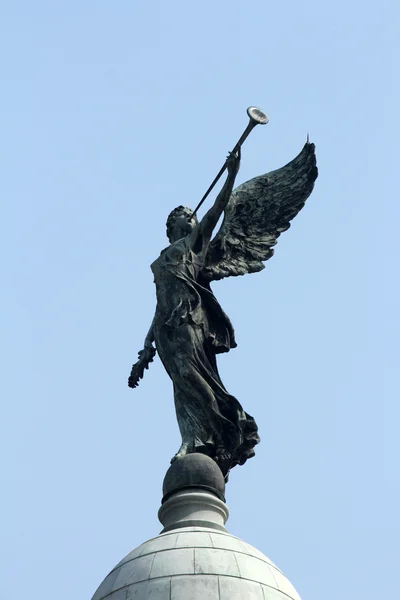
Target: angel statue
x,y
189,327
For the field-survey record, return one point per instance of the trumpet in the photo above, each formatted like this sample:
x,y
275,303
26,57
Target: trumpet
x,y
257,117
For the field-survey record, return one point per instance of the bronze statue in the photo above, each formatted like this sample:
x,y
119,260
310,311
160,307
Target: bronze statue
x,y
189,327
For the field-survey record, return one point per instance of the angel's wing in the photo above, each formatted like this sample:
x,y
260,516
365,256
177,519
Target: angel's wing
x,y
257,213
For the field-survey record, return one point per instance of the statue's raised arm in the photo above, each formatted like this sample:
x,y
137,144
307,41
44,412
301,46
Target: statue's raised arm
x,y
201,235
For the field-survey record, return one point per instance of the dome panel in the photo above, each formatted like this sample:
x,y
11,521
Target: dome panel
x,y
159,543
227,542
239,589
249,549
133,571
255,569
192,539
119,595
157,589
274,594
284,585
199,587
179,561
215,562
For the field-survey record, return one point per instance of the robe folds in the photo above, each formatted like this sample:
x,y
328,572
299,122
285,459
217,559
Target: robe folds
x,y
190,329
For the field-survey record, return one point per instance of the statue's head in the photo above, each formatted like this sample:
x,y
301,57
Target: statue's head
x,y
180,223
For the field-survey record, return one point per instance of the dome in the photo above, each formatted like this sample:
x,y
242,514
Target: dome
x,y
194,557
196,563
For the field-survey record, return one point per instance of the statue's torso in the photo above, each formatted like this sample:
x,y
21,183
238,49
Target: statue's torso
x,y
175,271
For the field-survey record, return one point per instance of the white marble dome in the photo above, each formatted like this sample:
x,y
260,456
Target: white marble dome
x,y
196,563
194,557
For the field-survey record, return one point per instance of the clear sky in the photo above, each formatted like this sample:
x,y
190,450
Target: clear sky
x,y
112,114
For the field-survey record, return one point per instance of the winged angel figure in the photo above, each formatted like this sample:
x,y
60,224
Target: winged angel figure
x,y
190,328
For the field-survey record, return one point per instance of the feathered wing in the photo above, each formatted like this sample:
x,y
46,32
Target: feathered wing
x,y
257,213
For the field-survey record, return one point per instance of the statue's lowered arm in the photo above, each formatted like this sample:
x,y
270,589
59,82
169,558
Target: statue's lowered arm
x,y
146,356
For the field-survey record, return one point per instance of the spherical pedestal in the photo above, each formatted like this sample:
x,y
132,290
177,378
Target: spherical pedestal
x,y
194,470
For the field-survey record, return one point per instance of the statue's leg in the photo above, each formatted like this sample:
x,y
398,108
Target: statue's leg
x,y
183,450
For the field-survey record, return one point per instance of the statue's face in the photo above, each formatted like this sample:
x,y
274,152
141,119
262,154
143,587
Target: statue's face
x,y
182,226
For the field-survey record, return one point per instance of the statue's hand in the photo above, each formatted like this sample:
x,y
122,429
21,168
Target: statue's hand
x,y
146,356
233,163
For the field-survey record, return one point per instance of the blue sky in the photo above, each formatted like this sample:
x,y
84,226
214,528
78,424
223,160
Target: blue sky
x,y
111,115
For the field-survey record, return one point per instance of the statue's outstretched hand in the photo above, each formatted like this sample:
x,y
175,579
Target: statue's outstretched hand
x,y
146,356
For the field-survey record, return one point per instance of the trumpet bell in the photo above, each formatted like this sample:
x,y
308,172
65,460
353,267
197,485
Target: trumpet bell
x,y
257,115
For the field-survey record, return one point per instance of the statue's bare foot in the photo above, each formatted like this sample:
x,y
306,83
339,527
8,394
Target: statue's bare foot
x,y
223,460
183,450
223,457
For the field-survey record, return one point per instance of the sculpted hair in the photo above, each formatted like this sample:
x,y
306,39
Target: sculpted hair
x,y
178,212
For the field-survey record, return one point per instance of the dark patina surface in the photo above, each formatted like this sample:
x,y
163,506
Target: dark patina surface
x,y
190,328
